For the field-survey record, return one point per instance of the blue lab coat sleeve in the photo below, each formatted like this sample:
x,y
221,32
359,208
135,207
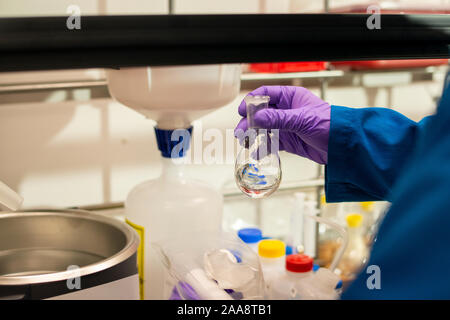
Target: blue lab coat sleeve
x,y
367,150
410,257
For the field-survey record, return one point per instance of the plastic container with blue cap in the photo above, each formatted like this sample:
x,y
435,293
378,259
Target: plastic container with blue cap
x,y
170,207
251,236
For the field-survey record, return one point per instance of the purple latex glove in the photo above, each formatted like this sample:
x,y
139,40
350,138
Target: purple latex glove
x,y
302,117
188,292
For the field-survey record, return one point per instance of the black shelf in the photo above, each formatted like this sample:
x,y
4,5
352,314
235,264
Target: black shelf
x,y
117,41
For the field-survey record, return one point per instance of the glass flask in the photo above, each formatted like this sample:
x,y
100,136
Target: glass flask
x,y
258,167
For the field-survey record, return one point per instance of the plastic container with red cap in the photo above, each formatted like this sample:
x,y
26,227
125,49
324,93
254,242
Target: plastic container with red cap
x,y
300,282
299,263
299,269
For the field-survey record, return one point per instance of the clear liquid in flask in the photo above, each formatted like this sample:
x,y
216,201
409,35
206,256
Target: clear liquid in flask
x,y
257,182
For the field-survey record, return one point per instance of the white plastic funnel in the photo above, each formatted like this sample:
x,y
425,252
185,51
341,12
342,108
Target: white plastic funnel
x,y
175,96
9,198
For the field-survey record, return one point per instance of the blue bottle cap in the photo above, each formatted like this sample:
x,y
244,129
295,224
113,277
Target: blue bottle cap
x,y
315,267
250,235
289,250
173,143
339,284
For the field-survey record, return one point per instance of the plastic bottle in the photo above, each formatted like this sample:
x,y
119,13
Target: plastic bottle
x,y
299,268
251,236
169,207
356,252
272,255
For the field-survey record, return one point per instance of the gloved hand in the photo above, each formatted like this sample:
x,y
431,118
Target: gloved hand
x,y
302,118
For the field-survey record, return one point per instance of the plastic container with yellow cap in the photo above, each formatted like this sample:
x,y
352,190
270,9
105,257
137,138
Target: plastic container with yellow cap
x,y
272,257
367,206
354,220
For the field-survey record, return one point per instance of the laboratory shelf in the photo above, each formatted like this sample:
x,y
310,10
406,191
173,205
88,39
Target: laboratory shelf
x,y
290,186
6,88
228,193
44,43
17,87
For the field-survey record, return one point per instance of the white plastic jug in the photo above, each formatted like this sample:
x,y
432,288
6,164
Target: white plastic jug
x,y
170,207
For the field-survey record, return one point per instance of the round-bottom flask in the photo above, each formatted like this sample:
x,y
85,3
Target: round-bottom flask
x,y
258,166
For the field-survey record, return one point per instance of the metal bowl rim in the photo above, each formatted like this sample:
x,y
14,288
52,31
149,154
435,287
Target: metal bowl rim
x,y
132,243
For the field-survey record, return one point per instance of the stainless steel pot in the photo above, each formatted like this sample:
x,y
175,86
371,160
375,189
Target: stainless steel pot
x,y
69,254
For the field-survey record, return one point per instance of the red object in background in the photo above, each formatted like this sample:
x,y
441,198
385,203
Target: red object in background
x,y
389,64
279,67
